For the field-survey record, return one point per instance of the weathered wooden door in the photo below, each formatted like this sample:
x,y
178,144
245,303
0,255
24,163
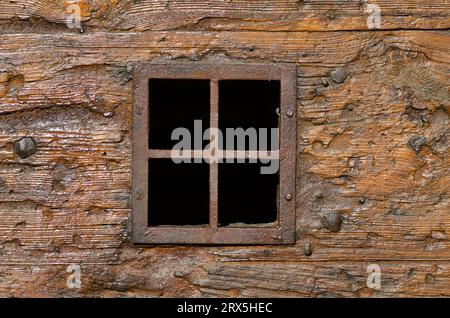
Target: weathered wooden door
x,y
372,172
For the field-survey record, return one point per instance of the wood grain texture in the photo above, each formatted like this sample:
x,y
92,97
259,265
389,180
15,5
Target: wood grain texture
x,y
181,273
221,15
358,154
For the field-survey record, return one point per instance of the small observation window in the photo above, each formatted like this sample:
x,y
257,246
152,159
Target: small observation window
x,y
214,153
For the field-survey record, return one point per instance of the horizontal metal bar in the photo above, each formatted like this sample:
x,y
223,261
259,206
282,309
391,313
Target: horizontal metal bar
x,y
159,153
222,71
221,235
250,154
219,154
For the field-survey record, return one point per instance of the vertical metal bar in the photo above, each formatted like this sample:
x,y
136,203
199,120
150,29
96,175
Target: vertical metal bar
x,y
288,133
214,166
140,160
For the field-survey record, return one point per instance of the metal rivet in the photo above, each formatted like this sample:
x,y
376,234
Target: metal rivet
x,y
339,75
332,221
290,113
139,195
180,274
288,197
307,249
277,237
318,194
2,184
139,110
25,147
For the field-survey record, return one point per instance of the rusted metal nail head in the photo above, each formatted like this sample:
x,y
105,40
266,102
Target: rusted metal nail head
x,y
288,197
307,249
332,221
180,274
339,75
290,113
139,195
25,147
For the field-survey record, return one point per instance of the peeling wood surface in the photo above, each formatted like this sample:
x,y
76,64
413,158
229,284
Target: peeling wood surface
x,y
372,147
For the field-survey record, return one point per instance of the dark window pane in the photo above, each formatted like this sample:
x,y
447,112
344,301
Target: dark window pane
x,y
177,103
248,104
246,195
178,193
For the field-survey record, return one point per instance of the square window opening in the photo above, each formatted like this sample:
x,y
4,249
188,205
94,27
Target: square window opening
x,y
226,199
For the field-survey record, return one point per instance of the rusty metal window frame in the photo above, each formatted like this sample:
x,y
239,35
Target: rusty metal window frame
x,y
284,230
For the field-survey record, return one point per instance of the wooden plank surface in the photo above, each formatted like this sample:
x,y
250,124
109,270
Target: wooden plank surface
x,y
187,275
220,15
